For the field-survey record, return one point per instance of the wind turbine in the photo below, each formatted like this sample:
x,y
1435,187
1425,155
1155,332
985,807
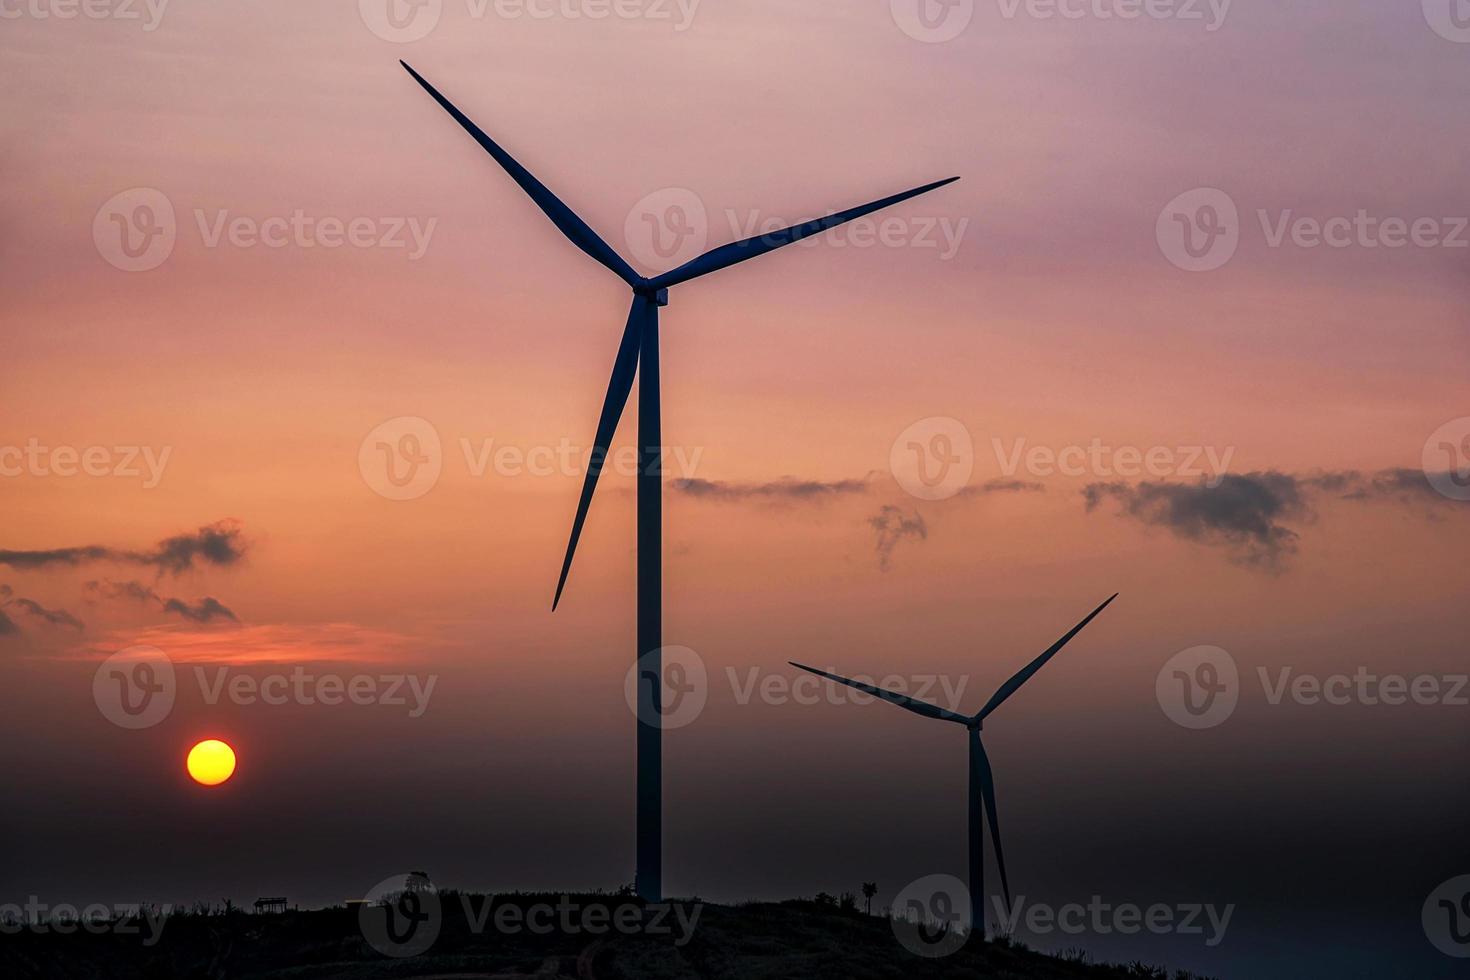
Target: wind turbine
x,y
638,354
982,782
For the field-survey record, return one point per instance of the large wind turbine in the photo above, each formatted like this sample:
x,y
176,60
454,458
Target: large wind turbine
x,y
638,354
982,782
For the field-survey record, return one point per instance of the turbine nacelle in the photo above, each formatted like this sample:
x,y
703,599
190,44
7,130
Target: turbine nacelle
x,y
646,289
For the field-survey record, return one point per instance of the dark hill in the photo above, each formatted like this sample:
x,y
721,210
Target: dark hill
x,y
547,936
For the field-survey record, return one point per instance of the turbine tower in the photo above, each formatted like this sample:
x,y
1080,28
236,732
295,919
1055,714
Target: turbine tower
x,y
638,355
982,781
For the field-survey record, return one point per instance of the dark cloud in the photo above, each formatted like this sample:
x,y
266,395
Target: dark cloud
x,y
1396,485
1002,486
1249,513
205,610
96,591
52,617
892,525
786,488
1244,512
220,543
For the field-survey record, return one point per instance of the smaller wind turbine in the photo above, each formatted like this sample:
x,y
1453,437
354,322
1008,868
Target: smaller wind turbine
x,y
982,781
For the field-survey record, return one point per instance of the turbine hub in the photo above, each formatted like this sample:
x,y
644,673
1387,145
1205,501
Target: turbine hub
x,y
659,296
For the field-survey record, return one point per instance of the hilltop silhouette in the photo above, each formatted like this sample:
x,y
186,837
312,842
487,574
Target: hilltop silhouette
x,y
792,940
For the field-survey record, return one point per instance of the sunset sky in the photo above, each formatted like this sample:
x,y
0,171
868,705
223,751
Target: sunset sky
x,y
1036,303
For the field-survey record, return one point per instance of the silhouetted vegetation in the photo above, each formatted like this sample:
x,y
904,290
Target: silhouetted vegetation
x,y
819,939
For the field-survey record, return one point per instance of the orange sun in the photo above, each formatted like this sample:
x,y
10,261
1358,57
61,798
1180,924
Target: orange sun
x,y
211,762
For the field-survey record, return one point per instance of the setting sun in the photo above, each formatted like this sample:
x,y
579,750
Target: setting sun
x,y
211,762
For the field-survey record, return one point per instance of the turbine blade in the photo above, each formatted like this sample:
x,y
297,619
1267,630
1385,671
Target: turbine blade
x,y
728,255
892,697
576,230
987,790
1025,673
625,366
